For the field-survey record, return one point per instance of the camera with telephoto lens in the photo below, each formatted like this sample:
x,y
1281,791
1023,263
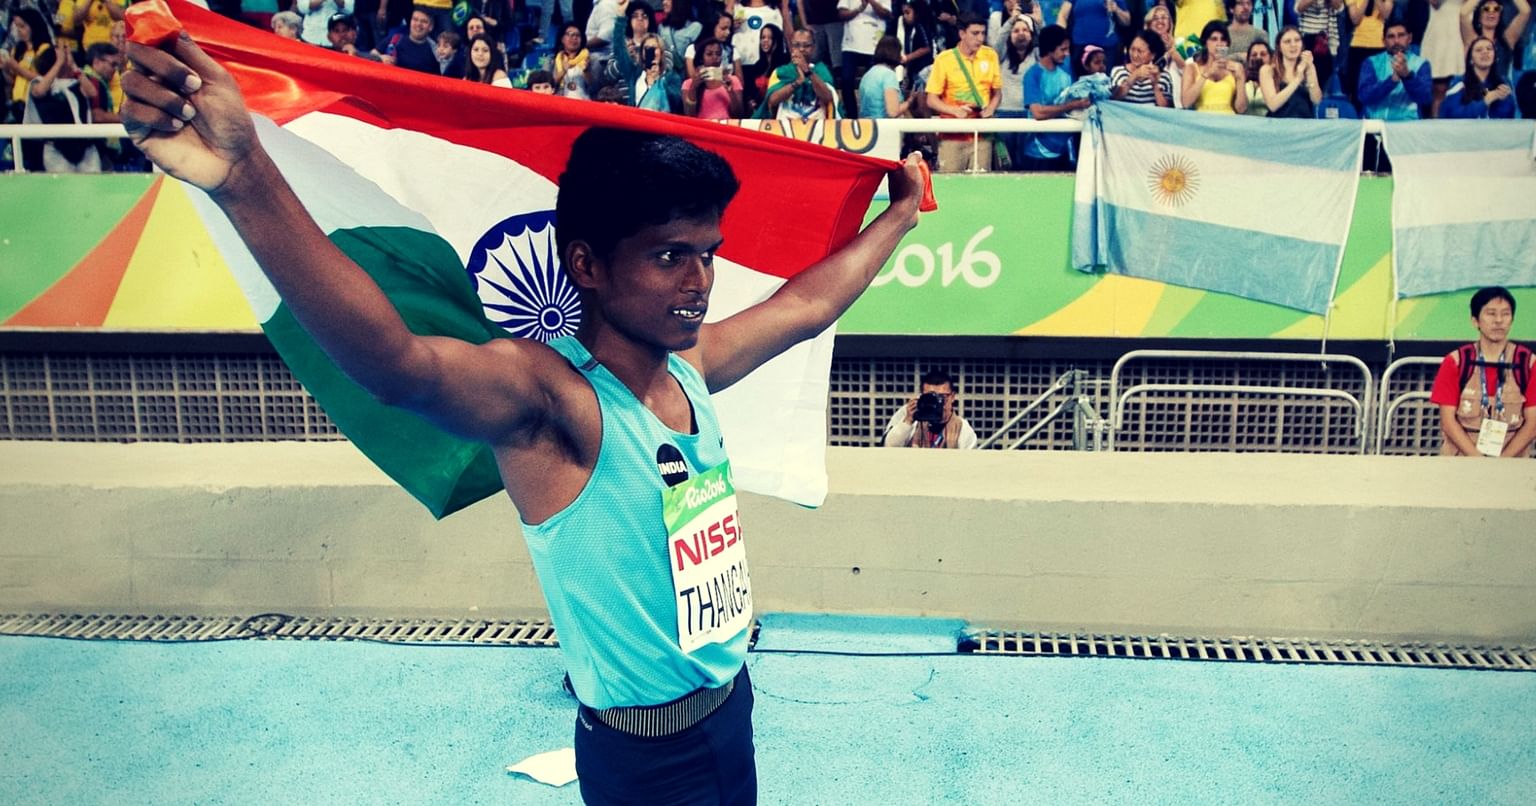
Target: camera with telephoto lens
x,y
930,409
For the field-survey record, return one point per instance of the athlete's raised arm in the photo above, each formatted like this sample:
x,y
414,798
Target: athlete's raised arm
x,y
813,299
187,115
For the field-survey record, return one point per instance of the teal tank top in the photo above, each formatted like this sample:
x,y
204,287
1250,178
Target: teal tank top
x,y
603,560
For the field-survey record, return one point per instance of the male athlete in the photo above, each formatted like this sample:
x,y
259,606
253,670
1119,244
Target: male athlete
x,y
606,440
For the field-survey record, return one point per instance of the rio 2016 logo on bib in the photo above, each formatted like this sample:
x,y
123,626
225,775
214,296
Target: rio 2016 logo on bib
x,y
516,272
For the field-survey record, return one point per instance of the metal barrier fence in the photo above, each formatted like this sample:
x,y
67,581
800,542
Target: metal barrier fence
x,y
1361,404
1201,402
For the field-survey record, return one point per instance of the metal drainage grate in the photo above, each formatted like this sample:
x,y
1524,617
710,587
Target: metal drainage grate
x,y
272,626
1251,650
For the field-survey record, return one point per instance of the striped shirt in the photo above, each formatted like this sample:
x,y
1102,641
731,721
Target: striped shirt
x,y
1141,92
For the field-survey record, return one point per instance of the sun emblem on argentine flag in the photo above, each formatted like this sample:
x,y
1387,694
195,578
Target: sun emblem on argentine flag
x,y
517,275
1173,180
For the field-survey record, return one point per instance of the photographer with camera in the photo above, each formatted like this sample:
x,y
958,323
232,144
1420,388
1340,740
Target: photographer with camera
x,y
929,420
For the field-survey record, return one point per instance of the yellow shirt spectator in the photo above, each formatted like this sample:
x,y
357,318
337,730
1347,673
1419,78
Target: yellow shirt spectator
x,y
1194,14
96,18
948,82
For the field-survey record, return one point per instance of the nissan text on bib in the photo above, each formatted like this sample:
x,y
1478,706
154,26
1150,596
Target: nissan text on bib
x,y
708,556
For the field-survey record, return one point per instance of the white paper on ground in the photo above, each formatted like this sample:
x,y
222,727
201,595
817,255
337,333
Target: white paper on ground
x,y
556,767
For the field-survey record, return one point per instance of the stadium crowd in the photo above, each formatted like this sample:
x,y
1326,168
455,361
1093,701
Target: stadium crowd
x,y
819,59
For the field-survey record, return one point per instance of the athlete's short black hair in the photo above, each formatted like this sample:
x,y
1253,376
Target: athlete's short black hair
x,y
1489,294
619,181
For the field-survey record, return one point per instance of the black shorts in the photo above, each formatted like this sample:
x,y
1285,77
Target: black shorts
x,y
711,762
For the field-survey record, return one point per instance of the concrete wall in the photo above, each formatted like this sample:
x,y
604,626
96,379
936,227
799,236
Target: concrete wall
x,y
1215,544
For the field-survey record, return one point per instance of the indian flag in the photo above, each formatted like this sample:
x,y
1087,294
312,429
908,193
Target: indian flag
x,y
444,192
1256,208
1461,204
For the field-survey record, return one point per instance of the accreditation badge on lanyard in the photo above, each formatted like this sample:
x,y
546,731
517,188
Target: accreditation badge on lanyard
x,y
1490,435
708,557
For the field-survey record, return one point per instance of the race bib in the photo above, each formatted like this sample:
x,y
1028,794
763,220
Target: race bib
x,y
1490,437
708,557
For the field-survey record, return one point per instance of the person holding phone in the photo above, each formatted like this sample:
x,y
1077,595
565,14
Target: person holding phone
x,y
1214,82
713,93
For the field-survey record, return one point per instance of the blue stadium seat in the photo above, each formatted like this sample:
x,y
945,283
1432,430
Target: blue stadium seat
x,y
1337,107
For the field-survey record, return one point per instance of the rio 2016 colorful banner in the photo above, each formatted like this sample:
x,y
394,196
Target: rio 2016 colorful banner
x,y
129,252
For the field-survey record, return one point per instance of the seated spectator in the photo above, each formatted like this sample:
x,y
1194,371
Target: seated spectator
x,y
714,93
1486,390
1140,80
317,16
802,89
485,65
540,82
1486,18
55,96
572,66
1096,23
929,420
413,48
287,25
1396,82
721,29
1290,82
1259,55
1043,84
1192,16
1481,92
439,11
341,33
1215,82
450,57
1241,28
880,89
966,82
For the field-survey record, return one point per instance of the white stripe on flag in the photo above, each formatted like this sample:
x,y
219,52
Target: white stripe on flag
x,y
463,191
1226,190
1463,187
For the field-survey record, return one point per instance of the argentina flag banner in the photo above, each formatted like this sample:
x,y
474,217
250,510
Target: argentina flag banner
x,y
1256,208
1463,204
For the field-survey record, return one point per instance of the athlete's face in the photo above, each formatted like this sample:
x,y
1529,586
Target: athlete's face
x,y
654,288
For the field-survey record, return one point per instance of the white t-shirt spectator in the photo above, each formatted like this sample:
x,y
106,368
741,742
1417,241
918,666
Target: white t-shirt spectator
x,y
748,39
863,32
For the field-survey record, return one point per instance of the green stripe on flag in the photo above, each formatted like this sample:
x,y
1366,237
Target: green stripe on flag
x,y
421,275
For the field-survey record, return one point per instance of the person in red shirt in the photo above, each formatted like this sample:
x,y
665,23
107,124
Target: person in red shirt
x,y
1491,412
